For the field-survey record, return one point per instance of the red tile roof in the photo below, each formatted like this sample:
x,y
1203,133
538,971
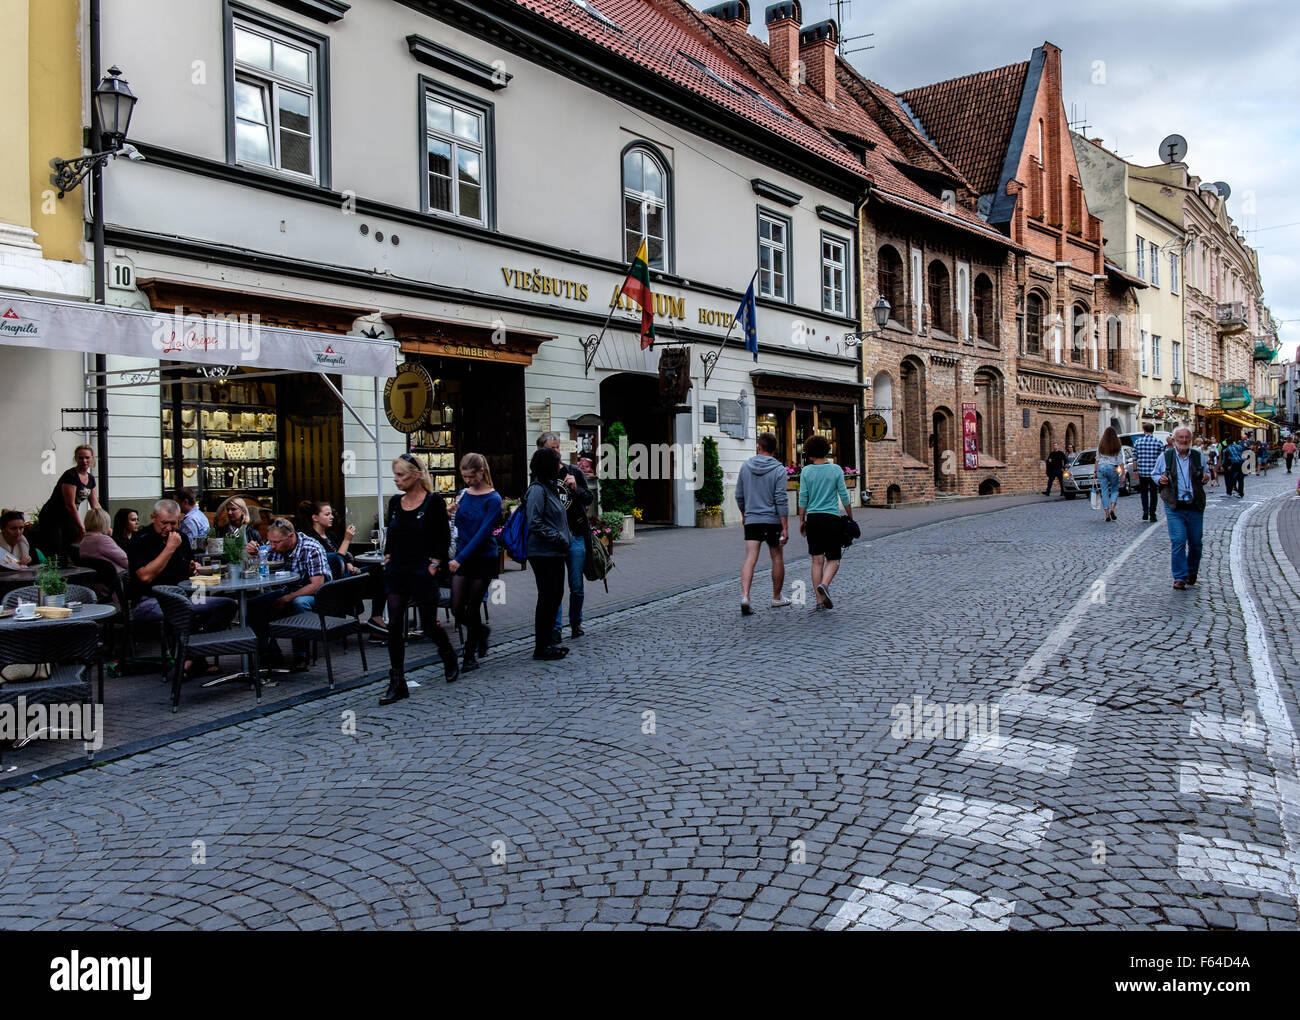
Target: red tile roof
x,y
660,36
970,119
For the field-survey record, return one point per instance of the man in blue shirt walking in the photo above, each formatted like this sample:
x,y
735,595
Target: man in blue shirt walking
x,y
1146,452
1182,487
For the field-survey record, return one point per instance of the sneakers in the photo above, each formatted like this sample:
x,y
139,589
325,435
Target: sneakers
x,y
550,654
826,596
576,631
745,608
779,603
1191,580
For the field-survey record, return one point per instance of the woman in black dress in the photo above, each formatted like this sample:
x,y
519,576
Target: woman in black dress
x,y
60,523
415,553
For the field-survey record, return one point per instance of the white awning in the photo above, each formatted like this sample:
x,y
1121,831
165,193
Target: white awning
x,y
237,340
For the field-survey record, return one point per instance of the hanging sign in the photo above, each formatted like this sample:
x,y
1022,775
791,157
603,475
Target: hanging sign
x,y
408,398
969,438
874,428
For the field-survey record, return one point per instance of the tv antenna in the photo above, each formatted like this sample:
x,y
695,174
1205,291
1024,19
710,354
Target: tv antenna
x,y
1079,124
842,8
1173,149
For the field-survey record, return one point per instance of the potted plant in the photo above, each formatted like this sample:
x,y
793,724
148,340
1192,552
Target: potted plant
x,y
850,478
51,584
792,477
233,551
612,521
709,495
616,492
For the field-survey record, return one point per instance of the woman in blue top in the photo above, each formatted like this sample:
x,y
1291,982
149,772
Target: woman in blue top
x,y
478,512
821,491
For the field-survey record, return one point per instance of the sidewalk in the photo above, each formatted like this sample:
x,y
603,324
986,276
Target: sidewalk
x,y
659,563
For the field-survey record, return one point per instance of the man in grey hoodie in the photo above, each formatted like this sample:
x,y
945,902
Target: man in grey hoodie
x,y
764,510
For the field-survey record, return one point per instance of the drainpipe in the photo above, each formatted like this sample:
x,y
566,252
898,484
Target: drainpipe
x,y
861,444
97,270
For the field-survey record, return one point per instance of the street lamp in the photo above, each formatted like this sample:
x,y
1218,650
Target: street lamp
x,y
880,310
114,102
1175,387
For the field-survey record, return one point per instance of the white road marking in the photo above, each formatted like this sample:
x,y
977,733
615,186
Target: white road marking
x,y
1229,729
1237,785
1229,862
1044,706
948,815
876,904
1280,742
1022,755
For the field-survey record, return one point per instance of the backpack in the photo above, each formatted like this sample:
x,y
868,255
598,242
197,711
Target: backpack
x,y
514,536
598,562
1234,454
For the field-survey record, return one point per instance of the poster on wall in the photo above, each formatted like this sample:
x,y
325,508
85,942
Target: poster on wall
x,y
970,438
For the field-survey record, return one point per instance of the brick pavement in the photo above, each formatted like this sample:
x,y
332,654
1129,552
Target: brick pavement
x,y
770,786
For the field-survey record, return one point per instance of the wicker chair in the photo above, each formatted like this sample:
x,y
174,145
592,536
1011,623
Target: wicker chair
x,y
76,593
179,622
337,614
70,649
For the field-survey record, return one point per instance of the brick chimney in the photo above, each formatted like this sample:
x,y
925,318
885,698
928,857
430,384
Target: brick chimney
x,y
783,21
732,10
817,51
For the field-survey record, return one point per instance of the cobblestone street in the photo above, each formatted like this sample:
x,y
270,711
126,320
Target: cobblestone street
x,y
1134,765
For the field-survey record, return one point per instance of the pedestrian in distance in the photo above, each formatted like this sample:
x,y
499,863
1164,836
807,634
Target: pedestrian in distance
x,y
764,513
821,493
577,497
549,540
1146,454
1235,458
1182,488
474,565
1055,470
1288,452
415,553
1110,463
1210,458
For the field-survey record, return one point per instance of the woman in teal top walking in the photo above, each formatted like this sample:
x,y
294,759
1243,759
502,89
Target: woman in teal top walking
x,y
821,491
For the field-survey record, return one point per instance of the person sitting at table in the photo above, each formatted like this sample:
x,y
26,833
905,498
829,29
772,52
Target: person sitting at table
x,y
305,557
194,523
159,554
237,520
59,524
126,522
316,519
98,544
15,553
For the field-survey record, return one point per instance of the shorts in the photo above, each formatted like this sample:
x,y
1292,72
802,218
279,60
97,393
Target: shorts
x,y
769,533
825,535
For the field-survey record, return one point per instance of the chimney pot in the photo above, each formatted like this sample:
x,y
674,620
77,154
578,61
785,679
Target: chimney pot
x,y
783,21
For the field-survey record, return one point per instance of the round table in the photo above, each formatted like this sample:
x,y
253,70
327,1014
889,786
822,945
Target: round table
x,y
87,611
369,559
241,586
11,580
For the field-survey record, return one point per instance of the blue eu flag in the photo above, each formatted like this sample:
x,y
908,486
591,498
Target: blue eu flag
x,y
747,318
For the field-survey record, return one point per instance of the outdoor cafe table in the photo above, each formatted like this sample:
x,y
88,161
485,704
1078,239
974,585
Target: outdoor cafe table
x,y
91,611
241,586
11,580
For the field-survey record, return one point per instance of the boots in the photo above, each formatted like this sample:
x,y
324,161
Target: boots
x,y
450,669
469,663
483,633
396,689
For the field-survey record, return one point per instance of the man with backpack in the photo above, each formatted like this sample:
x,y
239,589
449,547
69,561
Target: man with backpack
x,y
764,511
1234,460
577,497
1182,488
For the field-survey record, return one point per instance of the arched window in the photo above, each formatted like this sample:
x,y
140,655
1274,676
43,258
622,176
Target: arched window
x,y
882,394
889,280
1045,441
1033,324
913,424
939,295
990,424
1071,437
1079,334
984,309
645,205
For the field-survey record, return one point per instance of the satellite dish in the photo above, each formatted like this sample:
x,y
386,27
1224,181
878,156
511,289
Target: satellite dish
x,y
1222,188
1173,149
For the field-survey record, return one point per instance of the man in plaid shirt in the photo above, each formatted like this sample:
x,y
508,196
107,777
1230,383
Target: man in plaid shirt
x,y
1147,451
305,557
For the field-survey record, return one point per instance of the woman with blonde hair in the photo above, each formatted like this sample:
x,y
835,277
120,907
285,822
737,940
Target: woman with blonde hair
x,y
475,565
59,526
414,554
98,541
1110,465
237,520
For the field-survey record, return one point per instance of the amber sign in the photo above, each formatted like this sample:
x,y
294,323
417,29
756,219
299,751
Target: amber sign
x,y
874,428
408,396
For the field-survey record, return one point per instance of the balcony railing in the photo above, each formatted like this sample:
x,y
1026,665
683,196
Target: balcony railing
x,y
1265,351
1265,408
1230,316
1234,395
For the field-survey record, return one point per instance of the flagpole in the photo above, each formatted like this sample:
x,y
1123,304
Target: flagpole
x,y
591,342
710,358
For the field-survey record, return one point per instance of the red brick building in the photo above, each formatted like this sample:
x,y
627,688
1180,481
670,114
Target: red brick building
x,y
1005,130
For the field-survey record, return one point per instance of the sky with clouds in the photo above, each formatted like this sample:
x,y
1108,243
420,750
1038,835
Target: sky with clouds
x,y
1224,75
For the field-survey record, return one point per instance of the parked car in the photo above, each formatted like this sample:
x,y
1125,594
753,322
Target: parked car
x,y
1081,476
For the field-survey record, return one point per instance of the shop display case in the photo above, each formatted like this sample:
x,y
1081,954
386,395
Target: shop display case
x,y
223,440
439,443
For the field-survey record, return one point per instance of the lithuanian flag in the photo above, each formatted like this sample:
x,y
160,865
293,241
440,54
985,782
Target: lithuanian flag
x,y
637,287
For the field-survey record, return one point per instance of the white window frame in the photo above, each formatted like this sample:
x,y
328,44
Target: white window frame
x,y
1141,257
963,300
781,250
918,290
1155,356
842,266
1173,272
483,150
1155,264
1175,352
270,85
648,202
1144,351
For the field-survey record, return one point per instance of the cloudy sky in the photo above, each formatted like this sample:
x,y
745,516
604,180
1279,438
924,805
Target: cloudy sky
x,y
1225,75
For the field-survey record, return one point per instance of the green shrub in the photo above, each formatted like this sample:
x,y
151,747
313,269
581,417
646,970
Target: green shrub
x,y
710,491
616,495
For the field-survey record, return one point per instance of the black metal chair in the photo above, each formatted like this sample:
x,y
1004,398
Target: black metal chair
x,y
69,649
337,614
30,593
179,623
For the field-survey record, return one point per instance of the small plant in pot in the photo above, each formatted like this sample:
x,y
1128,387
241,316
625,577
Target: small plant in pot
x,y
233,553
51,584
